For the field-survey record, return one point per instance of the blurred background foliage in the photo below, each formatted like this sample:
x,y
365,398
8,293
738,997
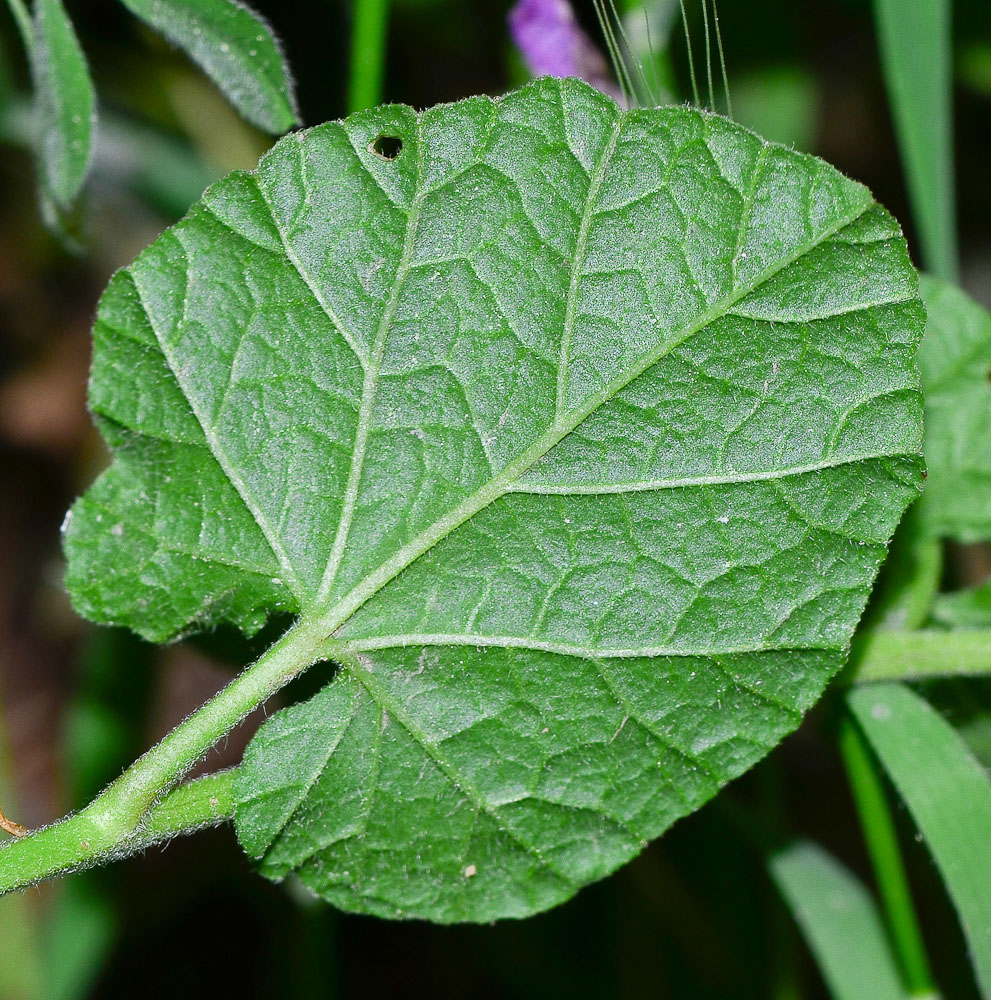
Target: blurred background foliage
x,y
696,915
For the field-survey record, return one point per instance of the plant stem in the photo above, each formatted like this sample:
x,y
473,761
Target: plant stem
x,y
369,27
200,803
22,19
65,846
923,655
115,823
882,846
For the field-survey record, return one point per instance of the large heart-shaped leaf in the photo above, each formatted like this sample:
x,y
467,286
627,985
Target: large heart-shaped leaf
x,y
581,432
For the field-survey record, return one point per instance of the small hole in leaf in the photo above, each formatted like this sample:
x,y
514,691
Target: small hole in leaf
x,y
387,147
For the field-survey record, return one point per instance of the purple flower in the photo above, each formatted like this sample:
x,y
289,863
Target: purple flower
x,y
553,43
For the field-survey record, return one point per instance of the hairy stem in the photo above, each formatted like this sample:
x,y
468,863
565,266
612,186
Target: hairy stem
x,y
121,819
73,843
882,846
922,655
369,28
200,803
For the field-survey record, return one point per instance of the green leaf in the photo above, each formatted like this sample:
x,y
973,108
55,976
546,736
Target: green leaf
x,y
65,103
955,360
840,921
235,48
949,796
581,433
917,57
964,609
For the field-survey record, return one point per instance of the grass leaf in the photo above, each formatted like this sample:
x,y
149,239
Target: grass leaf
x,y
840,921
948,794
915,38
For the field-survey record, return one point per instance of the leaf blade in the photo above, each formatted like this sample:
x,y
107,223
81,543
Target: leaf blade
x,y
916,55
66,103
839,920
238,51
955,361
377,346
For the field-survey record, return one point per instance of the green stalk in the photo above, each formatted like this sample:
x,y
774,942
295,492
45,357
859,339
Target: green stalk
x,y
75,843
115,823
882,846
204,802
369,28
923,655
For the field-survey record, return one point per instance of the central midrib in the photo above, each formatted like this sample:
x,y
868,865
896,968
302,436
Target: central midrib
x,y
329,619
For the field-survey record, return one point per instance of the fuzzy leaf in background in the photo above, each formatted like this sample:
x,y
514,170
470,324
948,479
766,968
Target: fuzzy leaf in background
x,y
955,361
580,433
840,921
235,48
65,104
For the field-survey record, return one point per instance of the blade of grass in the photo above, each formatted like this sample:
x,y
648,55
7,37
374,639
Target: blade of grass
x,y
886,858
840,922
916,56
615,55
369,33
948,794
646,98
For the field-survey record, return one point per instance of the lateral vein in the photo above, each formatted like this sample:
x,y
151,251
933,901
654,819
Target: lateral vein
x,y
215,446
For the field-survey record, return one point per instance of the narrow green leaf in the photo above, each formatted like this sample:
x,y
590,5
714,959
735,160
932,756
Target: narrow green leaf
x,y
948,794
881,840
236,49
579,433
955,361
65,103
840,922
915,38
